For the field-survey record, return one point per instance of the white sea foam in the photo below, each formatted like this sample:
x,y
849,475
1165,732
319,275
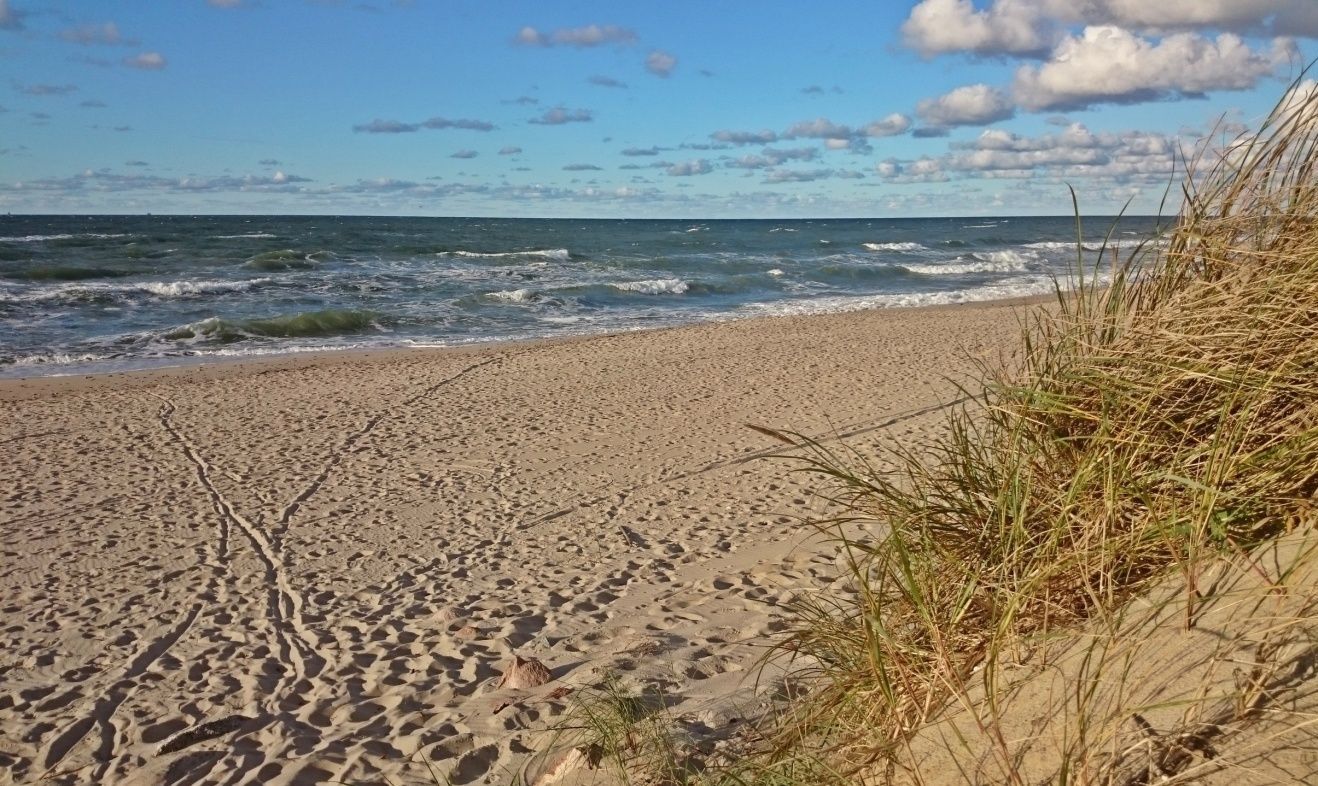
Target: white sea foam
x,y
250,234
1002,291
775,272
513,295
979,226
654,286
165,289
958,268
42,238
53,359
550,253
895,247
185,288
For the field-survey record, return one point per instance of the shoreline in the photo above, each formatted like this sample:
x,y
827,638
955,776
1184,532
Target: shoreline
x,y
316,569
208,366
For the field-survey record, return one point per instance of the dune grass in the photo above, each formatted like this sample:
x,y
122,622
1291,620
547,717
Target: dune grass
x,y
1107,565
1160,422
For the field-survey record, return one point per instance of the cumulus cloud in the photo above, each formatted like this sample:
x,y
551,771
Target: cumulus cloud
x,y
88,35
660,63
378,126
606,81
464,154
971,105
510,150
797,175
559,116
744,137
1006,27
582,168
1107,64
771,157
892,125
1032,28
698,166
580,37
147,61
819,128
921,170
1126,158
466,124
641,151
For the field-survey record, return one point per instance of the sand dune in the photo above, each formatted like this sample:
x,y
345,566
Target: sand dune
x,y
311,570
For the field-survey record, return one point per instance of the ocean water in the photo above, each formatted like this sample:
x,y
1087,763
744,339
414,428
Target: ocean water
x,y
82,294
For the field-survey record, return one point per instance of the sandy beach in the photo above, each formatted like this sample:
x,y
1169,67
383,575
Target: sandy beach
x,y
314,569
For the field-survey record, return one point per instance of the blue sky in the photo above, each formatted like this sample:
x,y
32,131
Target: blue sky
x,y
695,108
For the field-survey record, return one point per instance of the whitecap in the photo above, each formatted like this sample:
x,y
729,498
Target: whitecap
x,y
513,295
42,238
895,247
654,286
551,253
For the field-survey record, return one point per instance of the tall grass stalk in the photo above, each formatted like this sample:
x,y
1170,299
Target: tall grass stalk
x,y
1161,421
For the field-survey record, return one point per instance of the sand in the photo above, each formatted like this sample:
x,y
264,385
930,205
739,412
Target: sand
x,y
312,569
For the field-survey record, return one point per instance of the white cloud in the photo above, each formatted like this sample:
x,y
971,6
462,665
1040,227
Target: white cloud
x,y
971,105
147,61
1107,64
745,137
1031,28
580,37
698,166
660,63
819,128
378,126
559,116
1123,158
1006,27
892,125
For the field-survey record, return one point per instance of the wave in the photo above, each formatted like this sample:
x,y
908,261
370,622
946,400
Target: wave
x,y
310,324
833,305
66,273
654,286
513,296
1007,261
895,247
560,254
44,238
107,292
248,235
186,288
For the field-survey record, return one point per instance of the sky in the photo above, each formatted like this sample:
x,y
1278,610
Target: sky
x,y
673,108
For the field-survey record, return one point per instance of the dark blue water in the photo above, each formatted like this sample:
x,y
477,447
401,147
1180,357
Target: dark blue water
x,y
101,292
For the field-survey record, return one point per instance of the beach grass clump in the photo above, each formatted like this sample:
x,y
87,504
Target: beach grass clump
x,y
1161,421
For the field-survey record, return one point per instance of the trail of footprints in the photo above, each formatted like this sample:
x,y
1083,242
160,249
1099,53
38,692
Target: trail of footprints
x,y
334,682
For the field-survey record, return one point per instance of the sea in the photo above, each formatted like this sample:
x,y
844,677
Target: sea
x,y
89,294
